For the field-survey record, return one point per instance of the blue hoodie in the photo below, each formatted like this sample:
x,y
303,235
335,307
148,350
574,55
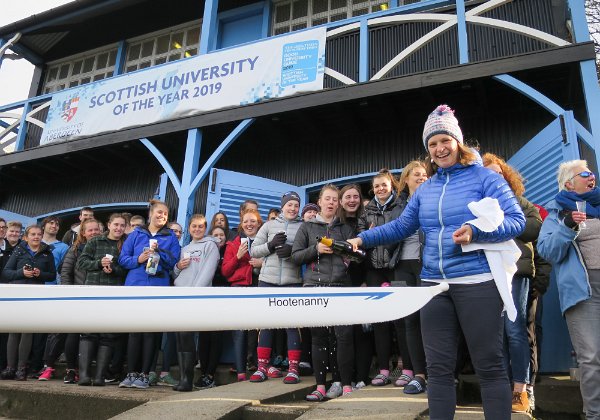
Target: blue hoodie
x,y
168,249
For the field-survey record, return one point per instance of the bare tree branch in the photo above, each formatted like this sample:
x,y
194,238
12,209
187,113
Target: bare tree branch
x,y
592,12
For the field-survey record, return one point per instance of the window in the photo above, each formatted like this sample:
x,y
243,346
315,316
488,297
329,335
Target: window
x,y
79,70
292,15
163,47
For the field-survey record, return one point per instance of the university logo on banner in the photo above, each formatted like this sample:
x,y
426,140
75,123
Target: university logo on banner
x,y
69,109
272,68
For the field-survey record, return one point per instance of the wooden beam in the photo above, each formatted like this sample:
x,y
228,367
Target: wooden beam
x,y
534,60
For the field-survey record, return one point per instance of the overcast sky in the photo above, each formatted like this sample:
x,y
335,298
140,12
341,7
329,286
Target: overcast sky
x,y
15,75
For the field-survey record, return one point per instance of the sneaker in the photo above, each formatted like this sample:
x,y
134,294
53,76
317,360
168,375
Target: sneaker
x,y
416,386
334,391
205,382
8,373
36,374
167,380
359,385
380,380
531,398
152,379
273,372
277,361
129,380
520,402
141,382
305,369
70,377
21,374
47,374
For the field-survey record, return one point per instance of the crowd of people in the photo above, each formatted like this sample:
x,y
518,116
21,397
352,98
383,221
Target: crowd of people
x,y
418,230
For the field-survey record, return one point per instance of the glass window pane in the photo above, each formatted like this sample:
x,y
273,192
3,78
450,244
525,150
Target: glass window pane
x,y
145,64
360,12
339,16
131,68
300,9
336,4
320,21
191,52
177,41
64,71
85,80
134,52
160,60
88,65
101,61
112,58
99,77
162,44
299,26
52,74
74,83
282,12
147,48
320,6
193,37
283,30
174,57
77,67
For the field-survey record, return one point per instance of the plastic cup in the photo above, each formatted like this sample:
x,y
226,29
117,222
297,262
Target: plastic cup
x,y
110,257
186,255
153,242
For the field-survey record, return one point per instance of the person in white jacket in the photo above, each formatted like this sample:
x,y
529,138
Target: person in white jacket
x,y
196,268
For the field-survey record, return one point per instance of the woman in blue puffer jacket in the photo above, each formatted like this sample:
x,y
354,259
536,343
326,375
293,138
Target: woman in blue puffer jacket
x,y
139,246
473,302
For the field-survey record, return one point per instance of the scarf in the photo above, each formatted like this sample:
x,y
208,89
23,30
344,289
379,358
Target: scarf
x,y
566,199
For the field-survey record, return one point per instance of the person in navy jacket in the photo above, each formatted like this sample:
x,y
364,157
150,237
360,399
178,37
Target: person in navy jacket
x,y
136,251
472,303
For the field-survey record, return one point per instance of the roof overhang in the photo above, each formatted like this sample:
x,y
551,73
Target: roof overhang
x,y
358,92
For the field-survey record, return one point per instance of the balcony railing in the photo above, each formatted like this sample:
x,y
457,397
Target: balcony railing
x,y
429,35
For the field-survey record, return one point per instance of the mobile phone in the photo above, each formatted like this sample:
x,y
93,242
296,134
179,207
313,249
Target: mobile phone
x,y
28,267
244,240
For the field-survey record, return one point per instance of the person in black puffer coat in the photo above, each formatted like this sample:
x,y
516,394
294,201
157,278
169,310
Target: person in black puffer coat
x,y
324,268
31,262
383,208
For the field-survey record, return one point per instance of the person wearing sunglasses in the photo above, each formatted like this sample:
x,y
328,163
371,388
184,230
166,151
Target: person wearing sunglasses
x,y
572,249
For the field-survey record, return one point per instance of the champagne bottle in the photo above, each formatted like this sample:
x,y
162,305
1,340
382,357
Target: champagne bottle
x,y
343,249
152,263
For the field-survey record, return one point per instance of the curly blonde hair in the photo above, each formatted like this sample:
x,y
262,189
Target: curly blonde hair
x,y
510,174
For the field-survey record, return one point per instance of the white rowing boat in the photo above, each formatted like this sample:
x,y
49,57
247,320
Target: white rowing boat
x,y
56,309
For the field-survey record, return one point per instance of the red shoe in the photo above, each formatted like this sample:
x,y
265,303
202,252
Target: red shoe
x,y
47,374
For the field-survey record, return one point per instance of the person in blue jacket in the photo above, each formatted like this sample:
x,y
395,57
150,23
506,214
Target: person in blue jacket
x,y
473,302
569,240
138,248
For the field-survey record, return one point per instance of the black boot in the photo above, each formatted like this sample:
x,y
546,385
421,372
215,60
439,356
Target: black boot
x,y
102,361
187,360
86,353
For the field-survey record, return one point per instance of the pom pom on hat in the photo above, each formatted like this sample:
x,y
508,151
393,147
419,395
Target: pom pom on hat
x,y
442,121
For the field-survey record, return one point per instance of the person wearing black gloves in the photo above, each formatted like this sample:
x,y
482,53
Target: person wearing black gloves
x,y
274,242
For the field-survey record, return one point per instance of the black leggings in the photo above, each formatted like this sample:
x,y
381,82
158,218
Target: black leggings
x,y
383,330
18,349
210,345
364,348
337,340
407,273
57,343
140,351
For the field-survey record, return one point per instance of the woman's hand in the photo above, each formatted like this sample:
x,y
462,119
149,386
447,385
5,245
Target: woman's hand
x,y
578,216
107,270
242,250
145,255
184,263
36,272
463,235
105,262
323,249
256,262
355,242
27,273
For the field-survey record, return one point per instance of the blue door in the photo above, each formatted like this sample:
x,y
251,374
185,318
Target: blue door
x,y
227,190
538,162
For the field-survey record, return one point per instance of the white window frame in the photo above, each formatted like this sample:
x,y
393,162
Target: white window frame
x,y
188,47
78,60
339,13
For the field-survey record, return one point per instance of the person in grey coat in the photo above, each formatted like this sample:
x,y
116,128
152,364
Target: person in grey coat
x,y
274,242
195,269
